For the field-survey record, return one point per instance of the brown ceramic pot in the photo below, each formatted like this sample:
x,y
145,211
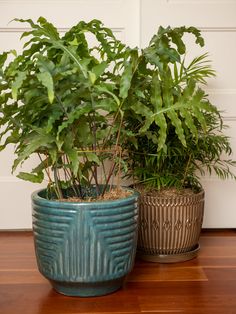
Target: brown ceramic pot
x,y
170,226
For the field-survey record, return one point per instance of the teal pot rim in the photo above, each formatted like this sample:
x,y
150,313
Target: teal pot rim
x,y
39,199
85,249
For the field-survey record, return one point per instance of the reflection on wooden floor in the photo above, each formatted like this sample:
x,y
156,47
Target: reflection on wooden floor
x,y
204,285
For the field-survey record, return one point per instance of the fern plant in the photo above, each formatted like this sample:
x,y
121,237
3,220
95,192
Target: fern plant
x,y
61,100
78,106
177,132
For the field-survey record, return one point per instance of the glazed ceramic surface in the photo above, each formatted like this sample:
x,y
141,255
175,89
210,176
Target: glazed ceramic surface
x,y
170,227
85,249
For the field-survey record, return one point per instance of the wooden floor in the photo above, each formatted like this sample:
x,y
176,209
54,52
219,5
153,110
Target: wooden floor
x,y
206,284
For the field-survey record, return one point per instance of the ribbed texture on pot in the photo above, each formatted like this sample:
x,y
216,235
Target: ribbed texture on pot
x,y
88,242
170,225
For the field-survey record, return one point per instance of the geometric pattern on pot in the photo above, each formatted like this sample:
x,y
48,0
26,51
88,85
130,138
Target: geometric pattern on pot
x,y
85,243
170,225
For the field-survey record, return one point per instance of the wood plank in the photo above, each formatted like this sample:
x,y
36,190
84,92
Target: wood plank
x,y
41,299
205,285
166,273
188,297
22,276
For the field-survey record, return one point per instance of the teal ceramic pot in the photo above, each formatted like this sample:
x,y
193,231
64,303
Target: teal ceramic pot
x,y
85,249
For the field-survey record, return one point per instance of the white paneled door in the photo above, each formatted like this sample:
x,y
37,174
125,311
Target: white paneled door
x,y
134,21
217,21
120,15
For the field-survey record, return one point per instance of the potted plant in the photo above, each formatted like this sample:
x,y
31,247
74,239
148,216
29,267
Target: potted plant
x,y
179,136
62,101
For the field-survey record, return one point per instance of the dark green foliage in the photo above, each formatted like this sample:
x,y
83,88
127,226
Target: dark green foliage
x,y
180,166
60,100
76,106
177,132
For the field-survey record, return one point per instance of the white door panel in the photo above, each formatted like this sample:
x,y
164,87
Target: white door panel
x,y
217,21
120,15
134,21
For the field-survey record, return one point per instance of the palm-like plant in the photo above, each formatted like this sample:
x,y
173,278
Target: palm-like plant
x,y
177,131
180,166
74,105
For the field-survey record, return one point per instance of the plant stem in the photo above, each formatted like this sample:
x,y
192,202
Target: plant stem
x,y
112,125
114,163
69,177
119,170
186,170
46,168
57,183
94,146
